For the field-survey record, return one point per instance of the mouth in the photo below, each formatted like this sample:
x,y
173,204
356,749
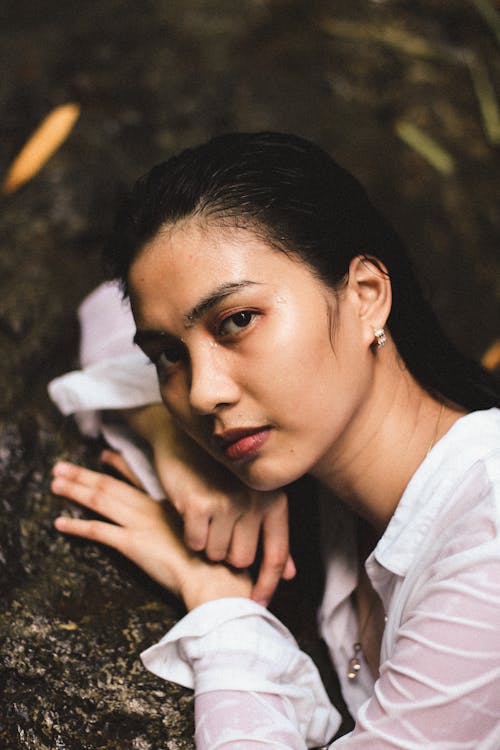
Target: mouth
x,y
242,443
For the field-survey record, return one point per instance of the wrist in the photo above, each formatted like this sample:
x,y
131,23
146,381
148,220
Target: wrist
x,y
202,582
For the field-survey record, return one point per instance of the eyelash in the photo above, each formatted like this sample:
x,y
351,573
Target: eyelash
x,y
220,325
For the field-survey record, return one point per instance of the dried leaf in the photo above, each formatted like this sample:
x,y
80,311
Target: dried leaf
x,y
426,146
46,139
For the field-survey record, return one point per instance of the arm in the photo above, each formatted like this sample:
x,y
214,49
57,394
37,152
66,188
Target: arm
x,y
222,517
198,652
438,688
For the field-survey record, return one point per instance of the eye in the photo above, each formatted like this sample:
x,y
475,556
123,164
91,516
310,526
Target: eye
x,y
236,322
168,358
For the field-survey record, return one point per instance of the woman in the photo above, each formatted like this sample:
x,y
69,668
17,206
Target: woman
x,y
290,337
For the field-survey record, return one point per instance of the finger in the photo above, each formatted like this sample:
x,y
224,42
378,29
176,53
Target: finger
x,y
100,493
97,531
196,527
95,480
244,541
276,552
220,532
117,462
157,549
290,570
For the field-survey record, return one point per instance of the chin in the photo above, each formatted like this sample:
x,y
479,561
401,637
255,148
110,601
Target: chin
x,y
256,475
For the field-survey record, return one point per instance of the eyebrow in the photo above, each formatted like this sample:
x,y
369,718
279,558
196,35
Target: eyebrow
x,y
213,298
142,337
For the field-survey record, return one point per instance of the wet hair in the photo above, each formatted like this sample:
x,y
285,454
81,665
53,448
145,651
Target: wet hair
x,y
292,194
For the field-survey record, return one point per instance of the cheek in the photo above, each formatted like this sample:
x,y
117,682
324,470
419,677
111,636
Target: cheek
x,y
303,360
293,383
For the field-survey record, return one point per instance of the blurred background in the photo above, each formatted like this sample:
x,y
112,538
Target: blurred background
x,y
404,93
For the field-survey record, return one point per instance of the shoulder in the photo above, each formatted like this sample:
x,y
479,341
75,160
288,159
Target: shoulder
x,y
451,579
466,525
459,557
460,484
456,488
469,477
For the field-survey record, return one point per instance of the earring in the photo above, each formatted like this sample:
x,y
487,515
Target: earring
x,y
380,337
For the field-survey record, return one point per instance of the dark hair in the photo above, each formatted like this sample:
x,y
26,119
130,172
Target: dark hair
x,y
294,195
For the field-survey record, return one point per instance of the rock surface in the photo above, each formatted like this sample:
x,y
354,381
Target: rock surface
x,y
153,77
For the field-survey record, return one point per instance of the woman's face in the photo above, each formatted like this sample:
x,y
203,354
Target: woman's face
x,y
259,361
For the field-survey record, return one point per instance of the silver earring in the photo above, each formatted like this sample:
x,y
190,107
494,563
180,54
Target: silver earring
x,y
380,337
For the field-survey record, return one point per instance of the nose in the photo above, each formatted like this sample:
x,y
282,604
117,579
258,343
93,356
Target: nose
x,y
211,383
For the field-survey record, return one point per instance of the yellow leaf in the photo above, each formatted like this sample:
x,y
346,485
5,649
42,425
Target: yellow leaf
x,y
491,357
46,139
426,146
68,625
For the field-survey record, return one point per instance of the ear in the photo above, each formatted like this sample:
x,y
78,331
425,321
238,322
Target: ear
x,y
370,283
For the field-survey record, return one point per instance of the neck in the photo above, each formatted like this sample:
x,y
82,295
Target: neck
x,y
387,439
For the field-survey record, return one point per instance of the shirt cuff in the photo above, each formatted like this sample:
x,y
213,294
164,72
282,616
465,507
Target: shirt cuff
x,y
122,382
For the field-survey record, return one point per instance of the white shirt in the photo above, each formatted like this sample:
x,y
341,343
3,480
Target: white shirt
x,y
437,571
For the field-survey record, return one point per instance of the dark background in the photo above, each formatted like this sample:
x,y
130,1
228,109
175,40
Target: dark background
x,y
153,77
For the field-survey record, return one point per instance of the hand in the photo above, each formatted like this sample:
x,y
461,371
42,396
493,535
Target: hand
x,y
145,531
222,517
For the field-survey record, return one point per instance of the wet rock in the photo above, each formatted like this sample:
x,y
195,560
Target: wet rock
x,y
74,619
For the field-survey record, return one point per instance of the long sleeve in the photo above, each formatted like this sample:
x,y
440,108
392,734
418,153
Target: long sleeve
x,y
233,719
234,652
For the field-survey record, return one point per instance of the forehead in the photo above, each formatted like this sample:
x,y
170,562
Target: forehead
x,y
187,251
185,262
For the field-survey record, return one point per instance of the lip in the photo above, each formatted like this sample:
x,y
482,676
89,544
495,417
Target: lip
x,y
238,444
